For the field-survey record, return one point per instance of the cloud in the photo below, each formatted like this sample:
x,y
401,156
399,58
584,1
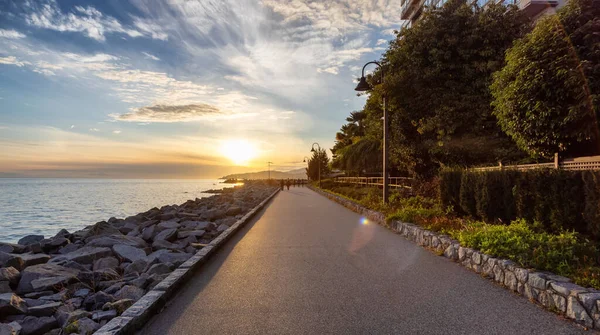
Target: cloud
x,y
94,129
166,113
150,56
116,132
332,70
11,34
381,41
391,31
72,126
12,60
86,20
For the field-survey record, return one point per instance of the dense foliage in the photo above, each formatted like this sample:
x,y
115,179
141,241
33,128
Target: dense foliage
x,y
558,199
547,97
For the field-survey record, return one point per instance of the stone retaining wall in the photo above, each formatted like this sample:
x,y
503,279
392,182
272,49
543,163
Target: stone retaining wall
x,y
554,292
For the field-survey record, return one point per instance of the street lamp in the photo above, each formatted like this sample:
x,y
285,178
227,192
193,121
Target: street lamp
x,y
364,86
319,159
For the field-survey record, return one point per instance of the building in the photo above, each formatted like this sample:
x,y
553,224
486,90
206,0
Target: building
x,y
412,9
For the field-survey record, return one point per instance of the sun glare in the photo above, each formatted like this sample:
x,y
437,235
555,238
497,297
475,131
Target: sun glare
x,y
240,152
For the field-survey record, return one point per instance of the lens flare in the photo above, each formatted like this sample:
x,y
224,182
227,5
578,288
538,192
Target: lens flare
x,y
364,221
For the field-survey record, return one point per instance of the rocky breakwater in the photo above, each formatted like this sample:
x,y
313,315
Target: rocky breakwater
x,y
73,283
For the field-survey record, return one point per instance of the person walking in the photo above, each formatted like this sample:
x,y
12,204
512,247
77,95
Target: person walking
x,y
281,183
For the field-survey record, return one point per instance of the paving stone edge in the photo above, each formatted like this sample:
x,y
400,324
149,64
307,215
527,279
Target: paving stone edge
x,y
152,302
555,293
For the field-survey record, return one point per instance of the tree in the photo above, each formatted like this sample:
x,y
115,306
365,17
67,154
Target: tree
x,y
319,158
547,96
437,81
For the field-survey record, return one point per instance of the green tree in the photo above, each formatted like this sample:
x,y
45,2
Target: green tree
x,y
547,96
319,159
437,81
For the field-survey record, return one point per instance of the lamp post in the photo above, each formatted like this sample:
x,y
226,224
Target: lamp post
x,y
269,169
305,160
319,159
364,86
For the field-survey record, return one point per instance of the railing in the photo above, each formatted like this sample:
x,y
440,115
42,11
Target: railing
x,y
574,164
397,182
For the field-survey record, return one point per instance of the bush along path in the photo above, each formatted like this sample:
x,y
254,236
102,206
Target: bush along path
x,y
556,293
77,282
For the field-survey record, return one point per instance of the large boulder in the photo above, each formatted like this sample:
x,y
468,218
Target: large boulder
x,y
11,304
12,248
97,300
233,211
106,263
139,265
7,260
99,229
32,325
148,232
129,253
10,274
174,258
54,243
47,309
30,259
85,255
162,244
166,235
130,292
13,328
30,239
110,240
159,269
186,233
169,224
45,277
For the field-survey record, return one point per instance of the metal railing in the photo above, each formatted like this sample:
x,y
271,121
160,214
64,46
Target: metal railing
x,y
573,164
396,182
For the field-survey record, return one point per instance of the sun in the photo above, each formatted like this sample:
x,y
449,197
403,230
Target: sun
x,y
240,152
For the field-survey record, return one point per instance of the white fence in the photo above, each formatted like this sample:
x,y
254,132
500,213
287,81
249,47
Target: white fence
x,y
579,163
396,182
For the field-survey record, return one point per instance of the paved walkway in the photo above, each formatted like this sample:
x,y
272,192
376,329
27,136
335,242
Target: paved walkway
x,y
306,265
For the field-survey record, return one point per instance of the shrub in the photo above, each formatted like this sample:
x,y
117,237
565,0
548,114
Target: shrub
x,y
467,194
591,213
449,190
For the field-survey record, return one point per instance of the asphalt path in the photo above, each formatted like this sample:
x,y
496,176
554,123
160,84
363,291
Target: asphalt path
x,y
306,265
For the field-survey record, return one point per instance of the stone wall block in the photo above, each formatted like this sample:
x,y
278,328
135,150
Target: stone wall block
x,y
521,274
537,280
510,281
559,302
578,313
498,274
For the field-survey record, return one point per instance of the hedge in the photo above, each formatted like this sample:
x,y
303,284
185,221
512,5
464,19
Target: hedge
x,y
557,199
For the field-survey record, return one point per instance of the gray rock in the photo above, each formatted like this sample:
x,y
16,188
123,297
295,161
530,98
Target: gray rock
x,y
148,233
171,224
65,317
7,260
32,325
86,326
97,300
233,210
162,244
11,303
30,239
564,288
166,235
119,306
69,248
174,258
158,269
141,281
44,310
34,302
588,300
10,275
5,287
187,233
222,227
85,255
153,257
129,253
13,328
30,259
559,302
99,229
139,266
498,274
55,275
537,280
60,296
510,280
576,312
521,274
81,293
12,248
104,315
130,292
110,240
54,243
74,302
106,263
62,233
97,276
451,252
77,266
36,295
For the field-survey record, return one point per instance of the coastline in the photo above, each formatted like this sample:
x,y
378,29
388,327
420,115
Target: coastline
x,y
79,281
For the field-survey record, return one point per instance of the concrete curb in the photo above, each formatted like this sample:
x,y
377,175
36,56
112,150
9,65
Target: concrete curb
x,y
555,293
152,302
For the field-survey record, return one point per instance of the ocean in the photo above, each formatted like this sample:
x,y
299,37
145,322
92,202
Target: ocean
x,y
45,206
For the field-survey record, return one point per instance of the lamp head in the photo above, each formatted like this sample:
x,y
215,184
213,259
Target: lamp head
x,y
304,160
312,150
362,85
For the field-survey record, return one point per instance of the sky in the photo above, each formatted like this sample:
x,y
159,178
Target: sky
x,y
179,88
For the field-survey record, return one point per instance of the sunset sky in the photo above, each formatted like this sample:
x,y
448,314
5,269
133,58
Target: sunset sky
x,y
179,89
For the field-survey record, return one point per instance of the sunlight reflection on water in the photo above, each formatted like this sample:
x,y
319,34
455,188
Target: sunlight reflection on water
x,y
44,206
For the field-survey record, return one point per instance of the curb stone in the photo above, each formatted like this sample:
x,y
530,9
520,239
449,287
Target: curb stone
x,y
151,303
555,293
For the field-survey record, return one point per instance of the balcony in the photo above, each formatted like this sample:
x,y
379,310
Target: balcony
x,y
535,7
410,8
